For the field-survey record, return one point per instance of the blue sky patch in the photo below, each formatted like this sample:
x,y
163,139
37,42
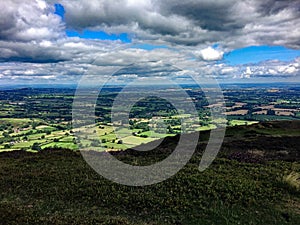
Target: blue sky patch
x,y
256,54
101,35
59,10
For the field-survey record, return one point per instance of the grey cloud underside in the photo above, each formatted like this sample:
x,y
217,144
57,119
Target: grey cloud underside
x,y
209,15
29,52
67,49
269,7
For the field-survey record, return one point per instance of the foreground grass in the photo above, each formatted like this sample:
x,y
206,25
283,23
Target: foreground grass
x,y
58,187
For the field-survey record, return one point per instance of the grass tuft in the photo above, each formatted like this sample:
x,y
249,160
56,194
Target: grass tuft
x,y
293,180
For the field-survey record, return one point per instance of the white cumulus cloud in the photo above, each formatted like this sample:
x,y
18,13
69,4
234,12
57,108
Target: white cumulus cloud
x,y
209,54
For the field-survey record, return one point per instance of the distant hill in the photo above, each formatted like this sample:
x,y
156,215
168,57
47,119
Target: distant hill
x,y
275,140
254,180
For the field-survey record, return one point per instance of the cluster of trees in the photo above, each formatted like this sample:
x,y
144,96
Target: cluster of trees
x,y
144,126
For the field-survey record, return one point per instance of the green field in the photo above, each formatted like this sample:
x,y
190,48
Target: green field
x,y
48,136
15,121
22,134
65,145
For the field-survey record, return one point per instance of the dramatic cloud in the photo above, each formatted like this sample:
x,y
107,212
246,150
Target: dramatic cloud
x,y
231,23
29,21
34,44
28,32
66,49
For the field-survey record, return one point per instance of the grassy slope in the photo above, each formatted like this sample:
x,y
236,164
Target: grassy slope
x,y
58,187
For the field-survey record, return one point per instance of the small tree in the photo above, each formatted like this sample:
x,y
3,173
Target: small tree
x,y
6,146
271,112
34,125
36,147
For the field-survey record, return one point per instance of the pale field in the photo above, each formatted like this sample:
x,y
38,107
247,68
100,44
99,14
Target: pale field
x,y
238,112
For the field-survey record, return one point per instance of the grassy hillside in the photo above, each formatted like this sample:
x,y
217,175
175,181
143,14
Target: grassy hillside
x,y
255,180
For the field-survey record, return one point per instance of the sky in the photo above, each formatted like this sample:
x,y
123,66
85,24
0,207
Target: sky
x,y
232,41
